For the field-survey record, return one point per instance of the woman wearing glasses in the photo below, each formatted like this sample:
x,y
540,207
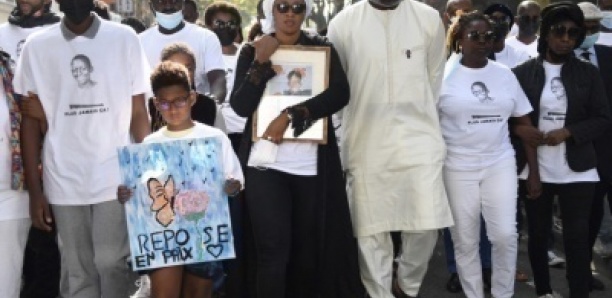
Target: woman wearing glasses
x,y
570,111
477,99
297,204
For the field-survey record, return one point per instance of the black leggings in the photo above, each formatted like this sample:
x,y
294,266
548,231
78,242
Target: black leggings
x,y
283,213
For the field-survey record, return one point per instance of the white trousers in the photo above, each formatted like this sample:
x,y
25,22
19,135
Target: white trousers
x,y
12,246
376,261
491,192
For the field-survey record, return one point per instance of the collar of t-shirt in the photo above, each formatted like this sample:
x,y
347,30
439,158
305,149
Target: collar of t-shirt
x,y
91,32
592,55
176,134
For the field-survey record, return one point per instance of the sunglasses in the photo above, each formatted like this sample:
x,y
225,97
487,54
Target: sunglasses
x,y
527,19
500,20
177,103
559,31
295,8
222,25
484,36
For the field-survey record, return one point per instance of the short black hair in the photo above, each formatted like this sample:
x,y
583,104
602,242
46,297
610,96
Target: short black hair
x,y
177,48
294,73
224,7
135,23
168,74
83,58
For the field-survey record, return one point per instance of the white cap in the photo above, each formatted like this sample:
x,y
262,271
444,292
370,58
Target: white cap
x,y
591,11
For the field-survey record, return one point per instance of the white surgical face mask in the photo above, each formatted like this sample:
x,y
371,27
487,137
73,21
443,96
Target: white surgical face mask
x,y
606,21
169,21
589,41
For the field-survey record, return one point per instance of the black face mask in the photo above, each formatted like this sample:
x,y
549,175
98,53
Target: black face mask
x,y
76,11
529,28
226,36
501,30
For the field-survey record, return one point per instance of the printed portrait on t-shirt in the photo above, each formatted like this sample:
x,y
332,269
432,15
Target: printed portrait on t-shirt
x,y
480,91
556,86
18,49
81,71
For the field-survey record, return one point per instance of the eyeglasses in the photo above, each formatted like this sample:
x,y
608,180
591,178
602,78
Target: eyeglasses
x,y
222,25
559,31
484,36
527,19
295,8
177,103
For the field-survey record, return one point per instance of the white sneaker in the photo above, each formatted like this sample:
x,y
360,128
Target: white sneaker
x,y
554,260
144,287
552,295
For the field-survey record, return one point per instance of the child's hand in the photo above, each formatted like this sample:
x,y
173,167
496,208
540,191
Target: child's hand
x,y
123,194
232,187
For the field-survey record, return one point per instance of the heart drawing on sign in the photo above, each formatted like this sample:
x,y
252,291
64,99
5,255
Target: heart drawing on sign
x,y
215,250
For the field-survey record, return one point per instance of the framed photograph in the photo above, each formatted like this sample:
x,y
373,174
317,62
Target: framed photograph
x,y
301,73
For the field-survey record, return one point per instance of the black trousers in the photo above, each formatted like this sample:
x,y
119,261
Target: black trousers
x,y
41,265
602,189
283,211
575,200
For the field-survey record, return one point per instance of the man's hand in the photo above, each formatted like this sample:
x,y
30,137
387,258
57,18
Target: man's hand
x,y
40,212
265,46
556,137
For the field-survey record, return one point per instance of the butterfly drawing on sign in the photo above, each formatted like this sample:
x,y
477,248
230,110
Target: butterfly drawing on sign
x,y
163,200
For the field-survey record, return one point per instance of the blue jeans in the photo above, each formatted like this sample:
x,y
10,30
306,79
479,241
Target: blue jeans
x,y
485,249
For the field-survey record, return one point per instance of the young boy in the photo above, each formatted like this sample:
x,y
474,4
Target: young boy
x,y
174,99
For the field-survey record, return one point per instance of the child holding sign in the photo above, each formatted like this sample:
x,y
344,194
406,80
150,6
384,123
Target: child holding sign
x,y
174,98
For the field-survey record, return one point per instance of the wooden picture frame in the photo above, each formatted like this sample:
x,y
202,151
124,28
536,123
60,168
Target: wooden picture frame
x,y
302,73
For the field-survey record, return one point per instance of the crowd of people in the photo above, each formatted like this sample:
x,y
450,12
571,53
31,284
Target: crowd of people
x,y
458,122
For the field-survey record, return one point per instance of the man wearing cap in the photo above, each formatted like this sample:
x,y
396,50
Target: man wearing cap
x,y
600,56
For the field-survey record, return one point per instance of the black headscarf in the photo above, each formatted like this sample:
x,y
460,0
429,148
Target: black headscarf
x,y
556,13
18,19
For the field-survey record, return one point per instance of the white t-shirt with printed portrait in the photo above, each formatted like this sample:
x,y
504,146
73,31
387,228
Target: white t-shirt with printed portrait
x,y
552,160
203,42
233,122
474,108
86,91
12,39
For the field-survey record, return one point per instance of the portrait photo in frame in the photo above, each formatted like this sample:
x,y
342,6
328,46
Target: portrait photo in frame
x,y
301,73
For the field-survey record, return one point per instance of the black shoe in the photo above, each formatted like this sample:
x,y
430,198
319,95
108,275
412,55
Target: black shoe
x,y
486,278
597,285
454,285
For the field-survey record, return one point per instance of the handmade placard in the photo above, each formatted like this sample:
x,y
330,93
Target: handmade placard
x,y
178,213
302,72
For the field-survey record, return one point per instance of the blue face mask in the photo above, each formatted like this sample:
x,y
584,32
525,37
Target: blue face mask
x,y
169,21
607,19
589,41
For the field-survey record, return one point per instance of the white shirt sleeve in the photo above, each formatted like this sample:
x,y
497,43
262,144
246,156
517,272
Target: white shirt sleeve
x,y
139,68
522,106
335,38
23,81
231,164
213,56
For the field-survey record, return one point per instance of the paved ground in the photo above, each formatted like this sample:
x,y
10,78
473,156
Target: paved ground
x,y
436,278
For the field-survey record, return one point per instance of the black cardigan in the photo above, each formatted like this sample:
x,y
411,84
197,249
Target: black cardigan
x,y
337,266
603,144
587,115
